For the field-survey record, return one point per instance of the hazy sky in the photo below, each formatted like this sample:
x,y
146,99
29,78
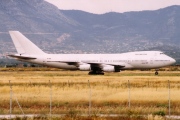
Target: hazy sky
x,y
103,6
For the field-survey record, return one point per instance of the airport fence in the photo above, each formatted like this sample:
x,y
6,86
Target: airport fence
x,y
51,98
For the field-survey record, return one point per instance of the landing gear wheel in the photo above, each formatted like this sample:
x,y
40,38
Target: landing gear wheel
x,y
91,73
101,73
156,73
96,73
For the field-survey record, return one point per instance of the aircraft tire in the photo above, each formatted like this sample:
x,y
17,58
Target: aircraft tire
x,y
95,73
156,73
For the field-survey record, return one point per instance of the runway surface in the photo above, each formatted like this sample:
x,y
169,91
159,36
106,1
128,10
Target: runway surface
x,y
172,117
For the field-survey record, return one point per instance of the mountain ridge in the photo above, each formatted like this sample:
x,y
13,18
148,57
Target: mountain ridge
x,y
72,31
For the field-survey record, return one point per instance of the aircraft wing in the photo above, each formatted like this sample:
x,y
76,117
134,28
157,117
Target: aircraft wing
x,y
22,57
94,65
101,65
69,62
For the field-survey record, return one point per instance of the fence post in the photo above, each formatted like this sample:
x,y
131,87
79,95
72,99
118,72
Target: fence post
x,y
129,100
108,83
68,84
10,109
89,98
169,98
50,86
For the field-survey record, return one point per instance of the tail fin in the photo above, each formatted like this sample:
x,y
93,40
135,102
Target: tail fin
x,y
24,45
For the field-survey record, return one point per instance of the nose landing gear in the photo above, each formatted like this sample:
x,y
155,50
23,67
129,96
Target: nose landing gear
x,y
156,73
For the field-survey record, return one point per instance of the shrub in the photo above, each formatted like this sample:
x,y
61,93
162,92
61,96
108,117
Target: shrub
x,y
160,113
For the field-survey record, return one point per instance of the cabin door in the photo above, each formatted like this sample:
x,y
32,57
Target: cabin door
x,y
45,61
151,61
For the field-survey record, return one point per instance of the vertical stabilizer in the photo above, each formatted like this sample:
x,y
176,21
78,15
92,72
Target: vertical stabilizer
x,y
23,45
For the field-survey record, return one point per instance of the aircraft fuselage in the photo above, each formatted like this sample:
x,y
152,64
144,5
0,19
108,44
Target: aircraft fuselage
x,y
131,60
95,63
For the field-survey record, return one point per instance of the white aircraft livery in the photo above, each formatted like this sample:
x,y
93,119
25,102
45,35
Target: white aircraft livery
x,y
94,63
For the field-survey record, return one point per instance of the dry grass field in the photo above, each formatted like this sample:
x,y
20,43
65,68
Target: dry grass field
x,y
109,94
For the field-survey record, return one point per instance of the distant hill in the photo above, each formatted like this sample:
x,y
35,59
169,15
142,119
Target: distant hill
x,y
72,31
160,26
132,31
33,16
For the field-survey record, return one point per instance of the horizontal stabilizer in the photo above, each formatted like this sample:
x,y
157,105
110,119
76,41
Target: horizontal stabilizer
x,y
22,57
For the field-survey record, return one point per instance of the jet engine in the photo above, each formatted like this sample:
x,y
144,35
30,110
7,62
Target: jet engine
x,y
109,68
85,67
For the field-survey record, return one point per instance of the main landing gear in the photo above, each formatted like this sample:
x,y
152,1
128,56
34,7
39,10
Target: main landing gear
x,y
96,73
156,73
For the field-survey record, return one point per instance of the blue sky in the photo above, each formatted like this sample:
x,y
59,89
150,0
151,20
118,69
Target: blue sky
x,y
103,6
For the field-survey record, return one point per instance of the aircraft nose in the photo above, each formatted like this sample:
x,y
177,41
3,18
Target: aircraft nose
x,y
173,61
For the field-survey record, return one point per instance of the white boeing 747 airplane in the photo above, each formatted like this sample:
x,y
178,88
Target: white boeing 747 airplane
x,y
95,63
